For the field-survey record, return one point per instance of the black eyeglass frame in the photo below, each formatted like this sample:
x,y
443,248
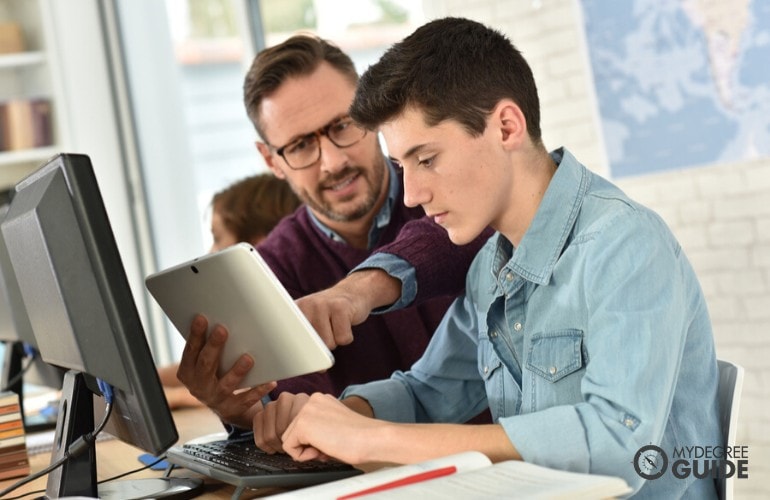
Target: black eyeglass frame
x,y
316,135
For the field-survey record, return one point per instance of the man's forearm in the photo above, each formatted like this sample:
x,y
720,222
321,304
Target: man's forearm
x,y
439,266
372,287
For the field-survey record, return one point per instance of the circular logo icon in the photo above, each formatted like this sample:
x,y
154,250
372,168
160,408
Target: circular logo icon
x,y
650,462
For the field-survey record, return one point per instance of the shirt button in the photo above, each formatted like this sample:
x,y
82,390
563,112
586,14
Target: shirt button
x,y
628,422
493,334
509,277
552,370
517,326
486,370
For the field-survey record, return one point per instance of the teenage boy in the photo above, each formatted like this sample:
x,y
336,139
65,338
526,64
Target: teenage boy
x,y
582,327
297,95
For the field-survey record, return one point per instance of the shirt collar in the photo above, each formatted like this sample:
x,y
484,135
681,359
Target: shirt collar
x,y
543,243
381,220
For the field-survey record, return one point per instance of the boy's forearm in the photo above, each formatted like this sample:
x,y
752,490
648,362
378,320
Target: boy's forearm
x,y
411,443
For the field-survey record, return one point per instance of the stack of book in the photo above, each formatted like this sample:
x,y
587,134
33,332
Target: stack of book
x,y
14,460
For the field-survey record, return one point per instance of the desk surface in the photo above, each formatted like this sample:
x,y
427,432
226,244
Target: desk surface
x,y
115,457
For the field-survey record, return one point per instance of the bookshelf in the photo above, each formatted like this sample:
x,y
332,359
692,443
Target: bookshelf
x,y
30,111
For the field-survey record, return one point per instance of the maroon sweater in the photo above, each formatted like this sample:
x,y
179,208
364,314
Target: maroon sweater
x,y
306,261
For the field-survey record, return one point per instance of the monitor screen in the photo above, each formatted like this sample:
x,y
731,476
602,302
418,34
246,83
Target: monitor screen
x,y
77,299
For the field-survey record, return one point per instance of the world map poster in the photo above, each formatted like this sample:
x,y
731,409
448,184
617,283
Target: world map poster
x,y
680,83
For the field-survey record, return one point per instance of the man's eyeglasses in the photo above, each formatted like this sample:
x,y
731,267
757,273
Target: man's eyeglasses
x,y
305,151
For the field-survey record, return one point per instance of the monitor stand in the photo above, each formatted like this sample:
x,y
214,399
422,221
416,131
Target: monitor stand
x,y
77,477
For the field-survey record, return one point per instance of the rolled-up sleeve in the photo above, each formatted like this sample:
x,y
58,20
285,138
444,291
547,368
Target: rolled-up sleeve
x,y
434,265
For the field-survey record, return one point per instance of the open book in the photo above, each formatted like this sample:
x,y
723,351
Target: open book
x,y
466,475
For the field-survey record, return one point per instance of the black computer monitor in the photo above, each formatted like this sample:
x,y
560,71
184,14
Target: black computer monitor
x,y
74,289
22,367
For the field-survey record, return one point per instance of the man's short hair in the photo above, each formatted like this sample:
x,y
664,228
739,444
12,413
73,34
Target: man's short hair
x,y
299,55
450,68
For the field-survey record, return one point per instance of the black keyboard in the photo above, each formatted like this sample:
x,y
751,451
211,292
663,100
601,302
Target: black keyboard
x,y
241,457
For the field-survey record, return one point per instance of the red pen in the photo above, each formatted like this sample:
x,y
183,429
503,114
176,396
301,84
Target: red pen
x,y
416,478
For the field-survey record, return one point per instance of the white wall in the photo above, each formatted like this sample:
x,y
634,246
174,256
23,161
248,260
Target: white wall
x,y
720,213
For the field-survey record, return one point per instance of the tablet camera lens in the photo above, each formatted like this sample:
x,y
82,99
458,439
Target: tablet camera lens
x,y
194,269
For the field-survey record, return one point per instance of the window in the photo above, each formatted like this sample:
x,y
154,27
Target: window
x,y
210,46
363,29
210,43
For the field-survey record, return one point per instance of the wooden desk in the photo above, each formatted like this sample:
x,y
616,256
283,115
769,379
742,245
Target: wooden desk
x,y
115,457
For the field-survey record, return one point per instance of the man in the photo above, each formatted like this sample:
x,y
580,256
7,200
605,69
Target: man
x,y
582,327
297,95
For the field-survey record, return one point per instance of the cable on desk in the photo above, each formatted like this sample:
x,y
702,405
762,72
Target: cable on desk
x,y
81,444
170,469
36,492
124,474
150,465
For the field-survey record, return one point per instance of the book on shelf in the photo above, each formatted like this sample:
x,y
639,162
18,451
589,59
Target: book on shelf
x,y
7,400
19,471
14,460
466,475
12,441
9,411
9,417
13,432
11,421
25,124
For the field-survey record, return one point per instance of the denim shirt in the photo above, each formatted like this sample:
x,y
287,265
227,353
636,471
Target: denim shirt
x,y
588,341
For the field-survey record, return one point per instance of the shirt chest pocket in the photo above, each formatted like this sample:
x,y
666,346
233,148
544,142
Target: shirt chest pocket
x,y
556,363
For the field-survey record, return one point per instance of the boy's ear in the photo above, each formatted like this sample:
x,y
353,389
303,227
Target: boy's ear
x,y
511,123
269,158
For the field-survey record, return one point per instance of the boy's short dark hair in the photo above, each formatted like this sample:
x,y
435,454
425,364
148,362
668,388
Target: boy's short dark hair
x,y
450,68
299,55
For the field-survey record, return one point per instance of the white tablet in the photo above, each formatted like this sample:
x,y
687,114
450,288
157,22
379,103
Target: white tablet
x,y
235,288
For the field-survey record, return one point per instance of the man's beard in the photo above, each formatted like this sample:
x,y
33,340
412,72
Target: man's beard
x,y
374,183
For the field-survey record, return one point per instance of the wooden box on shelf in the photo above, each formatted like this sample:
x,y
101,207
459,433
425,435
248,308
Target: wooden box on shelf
x,y
11,38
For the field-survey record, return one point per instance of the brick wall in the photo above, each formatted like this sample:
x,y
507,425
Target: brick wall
x,y
720,213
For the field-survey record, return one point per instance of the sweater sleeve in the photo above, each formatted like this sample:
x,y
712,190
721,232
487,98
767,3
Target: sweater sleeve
x,y
439,265
308,384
